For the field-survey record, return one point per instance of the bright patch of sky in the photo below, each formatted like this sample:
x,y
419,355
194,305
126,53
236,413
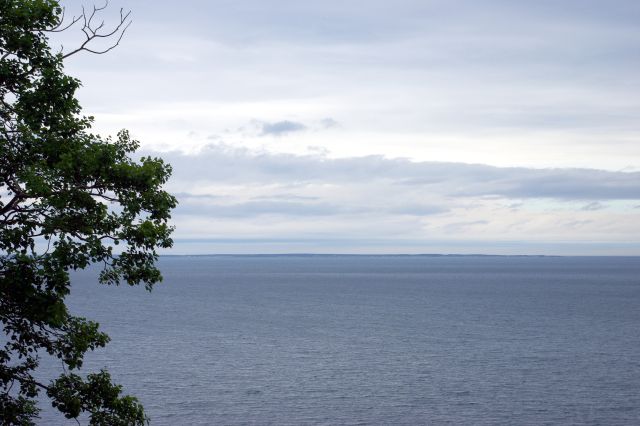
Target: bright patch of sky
x,y
375,126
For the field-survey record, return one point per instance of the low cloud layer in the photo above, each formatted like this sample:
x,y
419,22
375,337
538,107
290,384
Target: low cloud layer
x,y
234,194
221,163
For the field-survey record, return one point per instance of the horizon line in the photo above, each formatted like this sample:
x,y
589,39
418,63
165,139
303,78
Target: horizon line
x,y
306,254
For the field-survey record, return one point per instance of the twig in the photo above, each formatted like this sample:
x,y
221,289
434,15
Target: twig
x,y
92,31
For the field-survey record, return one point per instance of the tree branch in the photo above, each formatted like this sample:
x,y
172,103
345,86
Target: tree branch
x,y
11,204
60,28
92,32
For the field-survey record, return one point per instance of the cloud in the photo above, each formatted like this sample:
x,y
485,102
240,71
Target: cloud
x,y
504,83
263,195
328,123
457,227
515,206
454,81
279,128
293,205
577,223
287,197
188,195
237,194
222,163
260,208
593,206
418,209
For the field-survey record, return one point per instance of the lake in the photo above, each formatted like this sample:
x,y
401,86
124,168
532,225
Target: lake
x,y
355,340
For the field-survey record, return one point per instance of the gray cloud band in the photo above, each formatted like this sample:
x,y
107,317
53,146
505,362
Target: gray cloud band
x,y
223,164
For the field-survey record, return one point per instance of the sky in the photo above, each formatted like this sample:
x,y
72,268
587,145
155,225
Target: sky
x,y
427,126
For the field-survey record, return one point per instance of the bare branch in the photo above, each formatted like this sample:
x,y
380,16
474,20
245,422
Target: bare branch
x,y
61,26
92,31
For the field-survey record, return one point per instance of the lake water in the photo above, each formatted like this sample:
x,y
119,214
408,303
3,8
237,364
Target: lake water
x,y
294,340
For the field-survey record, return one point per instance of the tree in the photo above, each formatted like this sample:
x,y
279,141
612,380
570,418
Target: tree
x,y
67,199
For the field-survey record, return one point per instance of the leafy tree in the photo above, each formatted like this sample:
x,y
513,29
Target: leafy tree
x,y
67,198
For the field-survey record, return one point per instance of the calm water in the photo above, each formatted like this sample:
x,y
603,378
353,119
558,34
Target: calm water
x,y
376,340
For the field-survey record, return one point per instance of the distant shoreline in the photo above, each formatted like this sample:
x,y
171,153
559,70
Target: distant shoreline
x,y
387,255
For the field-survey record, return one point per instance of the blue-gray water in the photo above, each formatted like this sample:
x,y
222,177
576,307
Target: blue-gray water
x,y
375,340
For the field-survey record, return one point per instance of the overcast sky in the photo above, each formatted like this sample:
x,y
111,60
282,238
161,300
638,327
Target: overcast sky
x,y
484,126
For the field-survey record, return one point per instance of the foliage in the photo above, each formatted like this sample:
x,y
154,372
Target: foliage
x,y
67,198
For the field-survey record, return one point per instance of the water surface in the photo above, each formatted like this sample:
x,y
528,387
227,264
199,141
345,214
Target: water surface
x,y
375,340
